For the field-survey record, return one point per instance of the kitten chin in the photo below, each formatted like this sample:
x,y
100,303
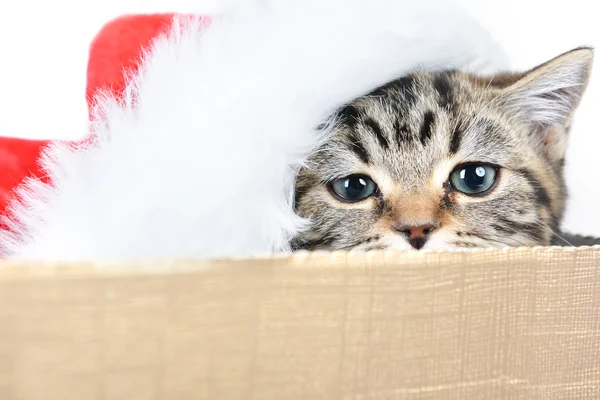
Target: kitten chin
x,y
445,159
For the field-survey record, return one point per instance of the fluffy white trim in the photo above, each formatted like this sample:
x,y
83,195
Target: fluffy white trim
x,y
200,160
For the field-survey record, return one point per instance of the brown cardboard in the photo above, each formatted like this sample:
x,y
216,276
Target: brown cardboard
x,y
492,324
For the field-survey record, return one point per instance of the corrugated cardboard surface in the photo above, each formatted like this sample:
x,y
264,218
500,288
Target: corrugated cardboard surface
x,y
502,324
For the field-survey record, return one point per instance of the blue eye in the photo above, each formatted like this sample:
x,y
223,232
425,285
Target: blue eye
x,y
473,179
354,188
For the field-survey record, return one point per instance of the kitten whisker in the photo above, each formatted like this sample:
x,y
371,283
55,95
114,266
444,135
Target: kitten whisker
x,y
489,239
543,224
515,231
490,82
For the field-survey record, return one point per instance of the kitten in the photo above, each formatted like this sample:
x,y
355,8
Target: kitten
x,y
440,160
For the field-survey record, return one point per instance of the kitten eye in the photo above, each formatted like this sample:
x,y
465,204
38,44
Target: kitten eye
x,y
354,188
473,179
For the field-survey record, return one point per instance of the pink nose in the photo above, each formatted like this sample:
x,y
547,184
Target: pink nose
x,y
417,235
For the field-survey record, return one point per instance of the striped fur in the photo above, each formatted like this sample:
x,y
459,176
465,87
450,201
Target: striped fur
x,y
408,136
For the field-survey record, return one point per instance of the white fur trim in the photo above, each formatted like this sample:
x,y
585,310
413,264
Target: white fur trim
x,y
200,160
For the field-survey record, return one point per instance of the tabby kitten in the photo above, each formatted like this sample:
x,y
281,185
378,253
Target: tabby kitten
x,y
440,160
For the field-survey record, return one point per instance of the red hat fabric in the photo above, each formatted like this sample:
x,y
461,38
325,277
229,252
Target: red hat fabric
x,y
115,49
18,160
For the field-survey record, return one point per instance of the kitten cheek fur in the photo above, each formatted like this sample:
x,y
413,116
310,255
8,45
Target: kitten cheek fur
x,y
412,131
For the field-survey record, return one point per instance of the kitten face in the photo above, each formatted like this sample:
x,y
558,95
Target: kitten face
x,y
439,160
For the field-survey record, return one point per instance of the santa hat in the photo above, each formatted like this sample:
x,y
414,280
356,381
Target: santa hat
x,y
115,51
194,153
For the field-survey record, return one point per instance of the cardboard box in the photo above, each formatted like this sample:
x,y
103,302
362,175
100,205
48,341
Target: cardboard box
x,y
491,324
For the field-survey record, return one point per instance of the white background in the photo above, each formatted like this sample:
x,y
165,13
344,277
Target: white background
x,y
43,56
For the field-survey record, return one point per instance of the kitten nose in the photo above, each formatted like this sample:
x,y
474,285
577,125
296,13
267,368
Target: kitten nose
x,y
417,235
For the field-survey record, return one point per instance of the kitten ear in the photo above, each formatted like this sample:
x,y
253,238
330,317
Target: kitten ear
x,y
547,96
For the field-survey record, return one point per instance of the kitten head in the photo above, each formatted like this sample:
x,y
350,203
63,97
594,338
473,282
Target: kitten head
x,y
439,160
